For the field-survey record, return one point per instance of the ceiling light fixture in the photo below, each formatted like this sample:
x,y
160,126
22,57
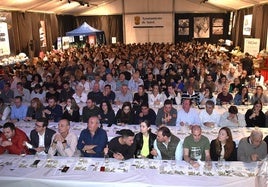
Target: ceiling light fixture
x,y
203,1
82,3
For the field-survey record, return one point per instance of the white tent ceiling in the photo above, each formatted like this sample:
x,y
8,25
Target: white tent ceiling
x,y
106,7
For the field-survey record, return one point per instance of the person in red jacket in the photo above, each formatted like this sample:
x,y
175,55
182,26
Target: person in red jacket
x,y
12,140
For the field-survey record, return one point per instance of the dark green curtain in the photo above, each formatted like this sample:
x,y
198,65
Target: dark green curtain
x,y
259,25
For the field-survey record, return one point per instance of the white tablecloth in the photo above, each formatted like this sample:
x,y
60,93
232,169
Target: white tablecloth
x,y
16,171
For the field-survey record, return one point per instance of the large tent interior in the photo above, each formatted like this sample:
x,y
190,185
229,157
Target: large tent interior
x,y
115,18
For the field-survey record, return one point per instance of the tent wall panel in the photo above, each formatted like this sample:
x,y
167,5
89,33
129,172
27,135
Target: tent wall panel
x,y
145,6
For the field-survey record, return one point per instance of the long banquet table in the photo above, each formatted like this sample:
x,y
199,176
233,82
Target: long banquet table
x,y
19,171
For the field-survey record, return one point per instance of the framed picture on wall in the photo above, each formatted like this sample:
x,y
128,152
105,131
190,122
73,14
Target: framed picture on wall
x,y
183,28
217,30
201,27
217,22
217,26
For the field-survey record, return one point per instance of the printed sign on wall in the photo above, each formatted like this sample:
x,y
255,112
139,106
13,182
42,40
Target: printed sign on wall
x,y
247,25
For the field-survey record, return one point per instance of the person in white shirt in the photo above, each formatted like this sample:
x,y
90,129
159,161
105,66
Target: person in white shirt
x,y
85,84
209,117
187,116
258,77
232,118
80,96
156,98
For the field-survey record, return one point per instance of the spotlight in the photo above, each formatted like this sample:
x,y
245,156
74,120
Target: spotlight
x,y
82,3
203,1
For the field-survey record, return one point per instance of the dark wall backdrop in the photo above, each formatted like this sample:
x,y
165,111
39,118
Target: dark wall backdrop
x,y
212,38
24,30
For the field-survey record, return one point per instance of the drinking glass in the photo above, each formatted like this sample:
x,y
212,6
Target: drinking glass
x,y
208,165
221,162
106,158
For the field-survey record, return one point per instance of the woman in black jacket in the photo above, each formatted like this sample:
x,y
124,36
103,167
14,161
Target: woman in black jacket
x,y
106,115
34,110
71,110
144,140
125,115
255,116
223,147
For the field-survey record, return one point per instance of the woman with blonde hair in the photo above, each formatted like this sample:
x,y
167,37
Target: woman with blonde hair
x,y
34,110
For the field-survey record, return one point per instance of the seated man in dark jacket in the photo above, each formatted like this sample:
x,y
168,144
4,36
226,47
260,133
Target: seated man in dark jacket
x,y
145,113
41,137
53,112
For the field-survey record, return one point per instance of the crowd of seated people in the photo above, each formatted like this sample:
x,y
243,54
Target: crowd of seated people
x,y
136,78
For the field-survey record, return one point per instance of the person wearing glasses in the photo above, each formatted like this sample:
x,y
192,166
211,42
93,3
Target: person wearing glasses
x,y
41,137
